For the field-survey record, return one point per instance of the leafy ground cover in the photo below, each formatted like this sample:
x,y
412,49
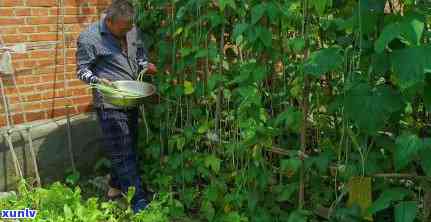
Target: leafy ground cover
x,y
286,110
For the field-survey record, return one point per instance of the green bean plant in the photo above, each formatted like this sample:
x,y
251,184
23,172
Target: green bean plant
x,y
269,110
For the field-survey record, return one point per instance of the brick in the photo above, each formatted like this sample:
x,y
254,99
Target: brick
x,y
69,60
71,67
54,11
77,19
25,71
60,112
41,53
29,64
7,81
22,12
10,91
34,97
102,2
8,30
26,29
50,89
11,21
14,38
45,70
6,12
71,53
78,91
89,11
82,100
76,82
33,116
32,79
26,89
13,100
48,28
13,3
18,118
47,104
61,102
45,62
40,11
73,28
3,121
72,3
42,20
32,106
41,3
48,78
85,108
19,56
44,37
16,108
69,11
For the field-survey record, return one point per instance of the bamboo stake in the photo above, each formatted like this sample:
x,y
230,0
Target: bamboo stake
x,y
305,107
219,90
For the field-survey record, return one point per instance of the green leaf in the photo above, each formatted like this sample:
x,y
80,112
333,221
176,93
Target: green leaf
x,y
414,31
321,5
407,147
224,3
211,193
259,73
215,80
290,165
204,127
233,217
362,100
323,160
68,212
292,119
387,198
257,12
389,33
297,45
73,178
298,216
427,97
410,65
406,211
366,16
208,210
273,12
380,63
323,61
265,35
239,30
181,142
425,156
188,88
285,192
213,163
410,31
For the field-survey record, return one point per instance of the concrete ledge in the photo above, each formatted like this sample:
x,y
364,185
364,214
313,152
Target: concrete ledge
x,y
50,145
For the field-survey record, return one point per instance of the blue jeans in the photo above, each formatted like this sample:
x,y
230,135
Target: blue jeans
x,y
120,134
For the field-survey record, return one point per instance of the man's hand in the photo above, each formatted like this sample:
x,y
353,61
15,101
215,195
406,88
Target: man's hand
x,y
152,69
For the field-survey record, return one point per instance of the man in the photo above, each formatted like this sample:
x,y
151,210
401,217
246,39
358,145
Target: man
x,y
110,50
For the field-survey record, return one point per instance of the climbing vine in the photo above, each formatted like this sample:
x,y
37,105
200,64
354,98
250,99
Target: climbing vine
x,y
290,110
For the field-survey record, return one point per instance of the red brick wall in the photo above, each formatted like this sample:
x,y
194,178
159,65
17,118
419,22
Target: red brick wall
x,y
39,73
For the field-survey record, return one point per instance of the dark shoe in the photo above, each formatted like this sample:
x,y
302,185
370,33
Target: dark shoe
x,y
113,194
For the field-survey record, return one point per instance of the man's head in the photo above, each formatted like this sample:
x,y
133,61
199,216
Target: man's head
x,y
119,17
